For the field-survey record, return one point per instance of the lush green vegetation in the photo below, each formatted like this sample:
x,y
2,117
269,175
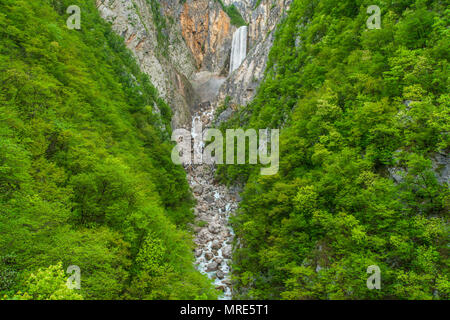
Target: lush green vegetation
x,y
234,14
86,176
352,104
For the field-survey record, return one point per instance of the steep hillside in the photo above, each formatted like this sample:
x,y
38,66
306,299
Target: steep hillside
x,y
86,176
364,167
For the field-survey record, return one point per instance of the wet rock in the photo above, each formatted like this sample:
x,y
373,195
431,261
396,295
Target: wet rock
x,y
227,282
221,288
203,236
198,252
212,267
224,235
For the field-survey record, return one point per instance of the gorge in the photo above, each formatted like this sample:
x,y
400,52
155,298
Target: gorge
x,y
204,50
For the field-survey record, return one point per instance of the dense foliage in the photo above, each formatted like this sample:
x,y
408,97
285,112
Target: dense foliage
x,y
356,107
86,177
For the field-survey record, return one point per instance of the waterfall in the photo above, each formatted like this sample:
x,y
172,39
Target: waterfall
x,y
238,48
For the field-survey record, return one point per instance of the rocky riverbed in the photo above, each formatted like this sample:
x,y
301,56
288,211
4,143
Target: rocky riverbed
x,y
215,203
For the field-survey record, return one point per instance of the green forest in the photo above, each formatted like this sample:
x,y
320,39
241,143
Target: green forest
x,y
86,176
355,106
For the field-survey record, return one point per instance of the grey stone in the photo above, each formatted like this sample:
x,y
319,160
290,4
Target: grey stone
x,y
441,167
224,116
209,199
214,228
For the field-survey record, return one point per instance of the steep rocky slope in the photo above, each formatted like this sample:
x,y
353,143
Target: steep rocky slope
x,y
86,177
358,108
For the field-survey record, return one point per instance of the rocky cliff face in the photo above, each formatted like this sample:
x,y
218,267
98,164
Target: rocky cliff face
x,y
170,65
185,48
241,85
172,41
208,32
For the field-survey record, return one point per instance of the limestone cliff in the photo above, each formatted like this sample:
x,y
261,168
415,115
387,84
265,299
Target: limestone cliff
x,y
262,17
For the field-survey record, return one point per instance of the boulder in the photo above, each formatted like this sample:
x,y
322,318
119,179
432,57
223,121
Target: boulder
x,y
212,267
221,288
197,189
224,116
214,228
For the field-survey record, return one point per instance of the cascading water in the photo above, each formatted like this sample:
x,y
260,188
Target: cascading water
x,y
238,48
